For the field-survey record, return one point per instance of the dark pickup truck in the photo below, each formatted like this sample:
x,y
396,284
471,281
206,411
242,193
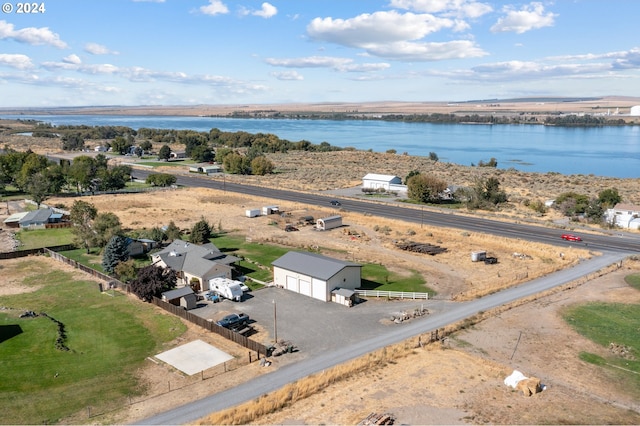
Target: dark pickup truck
x,y
234,321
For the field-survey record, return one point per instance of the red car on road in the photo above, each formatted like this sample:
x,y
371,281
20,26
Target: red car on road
x,y
571,237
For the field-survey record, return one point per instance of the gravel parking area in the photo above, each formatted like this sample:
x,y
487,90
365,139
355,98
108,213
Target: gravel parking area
x,y
312,325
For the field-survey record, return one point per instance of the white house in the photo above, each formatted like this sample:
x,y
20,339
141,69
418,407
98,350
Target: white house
x,y
624,216
315,275
386,182
193,261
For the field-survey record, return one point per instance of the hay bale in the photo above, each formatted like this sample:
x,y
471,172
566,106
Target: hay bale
x,y
529,386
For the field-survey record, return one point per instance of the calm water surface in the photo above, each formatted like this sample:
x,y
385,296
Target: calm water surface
x,y
603,151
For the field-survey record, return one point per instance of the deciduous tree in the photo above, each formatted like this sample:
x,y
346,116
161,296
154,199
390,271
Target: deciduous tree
x,y
152,281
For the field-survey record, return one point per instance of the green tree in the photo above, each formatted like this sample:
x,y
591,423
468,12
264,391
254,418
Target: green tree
x,y
173,232
201,232
152,281
161,179
572,203
126,271
410,175
38,187
82,173
425,188
115,251
72,142
608,198
113,178
164,153
105,226
81,216
594,211
146,146
120,145
261,166
202,154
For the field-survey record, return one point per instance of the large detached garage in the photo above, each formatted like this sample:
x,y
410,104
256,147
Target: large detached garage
x,y
315,275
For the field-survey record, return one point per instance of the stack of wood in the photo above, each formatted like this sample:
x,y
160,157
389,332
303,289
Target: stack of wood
x,y
377,419
425,248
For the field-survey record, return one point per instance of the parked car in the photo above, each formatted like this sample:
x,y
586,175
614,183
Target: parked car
x,y
336,203
234,321
571,237
290,228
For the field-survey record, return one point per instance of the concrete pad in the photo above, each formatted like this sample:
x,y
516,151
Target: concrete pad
x,y
194,357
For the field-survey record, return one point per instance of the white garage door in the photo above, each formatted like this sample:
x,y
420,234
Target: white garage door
x,y
305,287
292,283
319,290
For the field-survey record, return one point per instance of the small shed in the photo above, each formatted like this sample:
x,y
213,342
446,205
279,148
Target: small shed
x,y
252,212
183,296
343,296
330,222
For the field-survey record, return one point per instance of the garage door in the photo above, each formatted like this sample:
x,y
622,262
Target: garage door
x,y
305,287
292,283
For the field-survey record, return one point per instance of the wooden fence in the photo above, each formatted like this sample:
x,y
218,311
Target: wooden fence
x,y
211,326
30,252
392,294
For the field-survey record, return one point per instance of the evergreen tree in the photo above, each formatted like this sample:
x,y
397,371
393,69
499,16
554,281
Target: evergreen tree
x,y
114,252
201,232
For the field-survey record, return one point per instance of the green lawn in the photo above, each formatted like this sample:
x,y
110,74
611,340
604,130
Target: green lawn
x,y
108,339
606,323
373,276
378,277
633,280
37,238
93,259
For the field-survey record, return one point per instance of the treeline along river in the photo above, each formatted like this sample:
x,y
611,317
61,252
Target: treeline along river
x,y
602,151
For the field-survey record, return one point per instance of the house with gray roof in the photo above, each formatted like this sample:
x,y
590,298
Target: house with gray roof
x,y
36,219
315,275
193,261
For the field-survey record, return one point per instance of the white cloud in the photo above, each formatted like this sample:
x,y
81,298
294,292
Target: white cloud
x,y
31,35
72,59
287,75
215,7
337,64
393,35
530,17
21,62
459,8
98,49
267,11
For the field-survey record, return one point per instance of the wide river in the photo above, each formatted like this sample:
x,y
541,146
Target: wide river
x,y
602,151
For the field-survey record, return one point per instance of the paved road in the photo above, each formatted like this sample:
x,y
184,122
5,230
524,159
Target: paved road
x,y
628,243
292,372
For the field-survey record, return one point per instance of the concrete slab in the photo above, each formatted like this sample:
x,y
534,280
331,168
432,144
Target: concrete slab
x,y
194,357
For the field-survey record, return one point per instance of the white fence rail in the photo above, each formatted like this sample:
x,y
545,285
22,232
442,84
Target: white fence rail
x,y
392,294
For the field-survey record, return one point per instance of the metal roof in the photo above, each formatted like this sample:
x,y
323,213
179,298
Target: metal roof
x,y
177,293
314,265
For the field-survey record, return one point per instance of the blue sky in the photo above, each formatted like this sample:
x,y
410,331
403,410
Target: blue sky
x,y
186,52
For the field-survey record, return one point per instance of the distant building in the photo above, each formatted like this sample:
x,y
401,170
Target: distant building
x,y
386,182
635,111
624,216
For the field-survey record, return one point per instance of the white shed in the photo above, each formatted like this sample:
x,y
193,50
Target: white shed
x,y
330,222
315,275
267,210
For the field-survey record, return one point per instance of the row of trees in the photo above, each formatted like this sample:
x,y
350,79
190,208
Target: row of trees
x,y
40,177
574,205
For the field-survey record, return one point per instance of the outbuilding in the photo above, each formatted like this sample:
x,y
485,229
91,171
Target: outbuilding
x,y
183,296
330,222
315,275
377,181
